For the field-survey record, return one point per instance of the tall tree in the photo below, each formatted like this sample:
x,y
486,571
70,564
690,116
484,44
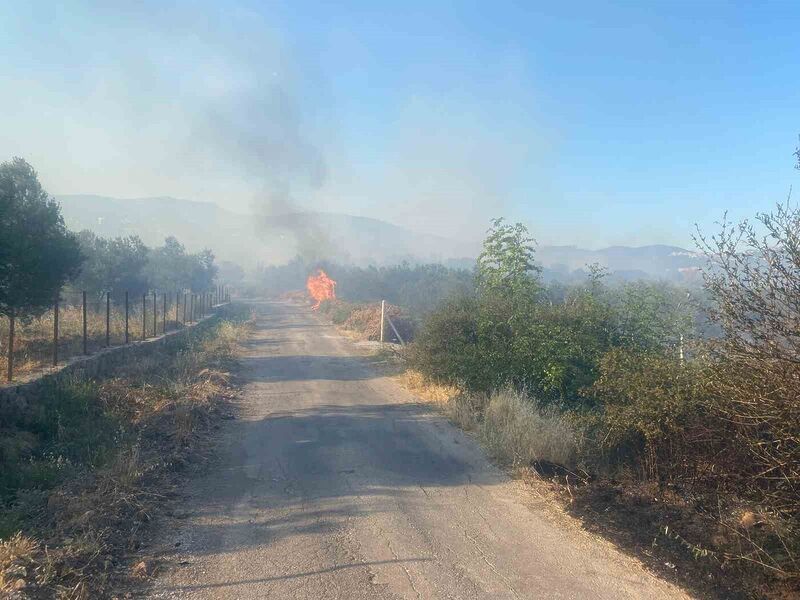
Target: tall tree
x,y
37,253
506,263
170,267
113,265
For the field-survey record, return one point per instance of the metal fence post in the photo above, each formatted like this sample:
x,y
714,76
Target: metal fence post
x,y
164,314
144,317
108,319
155,315
55,331
126,317
11,325
83,295
396,333
383,316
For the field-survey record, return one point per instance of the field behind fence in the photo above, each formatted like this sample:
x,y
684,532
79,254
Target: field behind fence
x,y
82,323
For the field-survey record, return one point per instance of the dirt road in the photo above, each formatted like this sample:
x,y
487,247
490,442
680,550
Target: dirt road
x,y
336,483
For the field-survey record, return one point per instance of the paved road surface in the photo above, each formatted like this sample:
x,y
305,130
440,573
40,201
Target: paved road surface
x,y
335,483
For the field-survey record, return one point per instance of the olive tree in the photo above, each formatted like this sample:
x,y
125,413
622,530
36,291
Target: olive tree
x,y
38,255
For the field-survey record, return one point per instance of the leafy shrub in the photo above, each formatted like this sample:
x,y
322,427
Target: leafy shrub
x,y
447,350
649,411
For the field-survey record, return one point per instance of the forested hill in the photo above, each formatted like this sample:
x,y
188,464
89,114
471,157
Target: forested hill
x,y
250,240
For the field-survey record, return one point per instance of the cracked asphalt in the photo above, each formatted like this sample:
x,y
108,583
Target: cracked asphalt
x,y
334,482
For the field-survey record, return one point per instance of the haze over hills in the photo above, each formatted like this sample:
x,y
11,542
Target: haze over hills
x,y
253,239
272,239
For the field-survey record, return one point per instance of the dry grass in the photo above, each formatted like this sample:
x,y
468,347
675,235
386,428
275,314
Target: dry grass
x,y
512,428
75,533
416,383
517,432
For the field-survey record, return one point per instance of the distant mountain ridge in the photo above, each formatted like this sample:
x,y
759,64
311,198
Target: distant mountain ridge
x,y
654,261
269,239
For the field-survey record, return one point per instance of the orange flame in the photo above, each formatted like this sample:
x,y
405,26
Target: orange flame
x,y
321,287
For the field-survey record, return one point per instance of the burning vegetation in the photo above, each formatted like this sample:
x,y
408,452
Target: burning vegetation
x,y
320,287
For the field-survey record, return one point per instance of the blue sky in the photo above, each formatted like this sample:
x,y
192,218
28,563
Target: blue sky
x,y
595,123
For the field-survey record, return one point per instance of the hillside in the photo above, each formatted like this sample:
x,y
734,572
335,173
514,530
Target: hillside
x,y
249,240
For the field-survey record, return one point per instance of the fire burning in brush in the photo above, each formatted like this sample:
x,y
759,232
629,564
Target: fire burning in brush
x,y
321,287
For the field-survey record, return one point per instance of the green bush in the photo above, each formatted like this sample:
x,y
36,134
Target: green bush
x,y
447,350
649,412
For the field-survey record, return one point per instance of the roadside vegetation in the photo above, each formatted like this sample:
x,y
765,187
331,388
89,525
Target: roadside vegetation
x,y
85,468
418,289
41,260
670,414
642,399
87,463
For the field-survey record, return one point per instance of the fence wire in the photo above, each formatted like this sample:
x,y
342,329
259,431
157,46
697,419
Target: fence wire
x,y
74,327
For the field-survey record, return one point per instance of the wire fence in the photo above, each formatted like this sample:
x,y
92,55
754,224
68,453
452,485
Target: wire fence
x,y
83,323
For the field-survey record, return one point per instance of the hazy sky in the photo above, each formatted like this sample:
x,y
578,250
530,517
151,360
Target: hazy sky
x,y
596,123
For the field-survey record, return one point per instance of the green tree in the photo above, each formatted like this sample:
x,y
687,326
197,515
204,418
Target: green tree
x,y
37,253
115,265
506,264
170,267
203,270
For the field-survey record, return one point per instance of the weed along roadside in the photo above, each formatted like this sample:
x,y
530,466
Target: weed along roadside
x,y
88,461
